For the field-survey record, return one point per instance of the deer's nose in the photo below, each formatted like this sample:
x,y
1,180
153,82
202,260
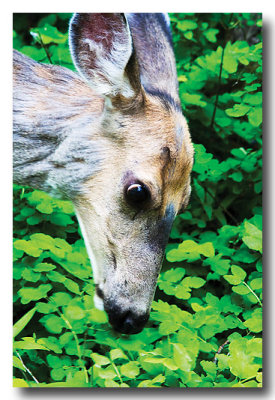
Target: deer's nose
x,y
126,322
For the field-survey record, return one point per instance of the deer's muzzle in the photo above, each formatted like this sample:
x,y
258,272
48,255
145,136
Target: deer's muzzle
x,y
125,321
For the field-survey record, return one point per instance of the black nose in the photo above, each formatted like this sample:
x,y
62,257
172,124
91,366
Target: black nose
x,y
126,321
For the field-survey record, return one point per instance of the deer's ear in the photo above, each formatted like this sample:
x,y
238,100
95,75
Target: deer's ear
x,y
102,51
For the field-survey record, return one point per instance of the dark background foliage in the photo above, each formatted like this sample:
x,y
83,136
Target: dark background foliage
x,y
205,325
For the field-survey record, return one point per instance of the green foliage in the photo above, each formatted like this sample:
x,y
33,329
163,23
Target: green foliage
x,y
206,321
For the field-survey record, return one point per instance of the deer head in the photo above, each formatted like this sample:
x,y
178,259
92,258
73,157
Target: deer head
x,y
113,140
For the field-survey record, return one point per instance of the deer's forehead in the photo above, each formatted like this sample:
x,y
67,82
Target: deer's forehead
x,y
165,168
154,143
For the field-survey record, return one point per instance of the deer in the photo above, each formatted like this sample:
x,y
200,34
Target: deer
x,y
111,138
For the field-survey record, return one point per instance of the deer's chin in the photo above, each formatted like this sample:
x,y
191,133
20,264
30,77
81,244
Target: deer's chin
x,y
98,302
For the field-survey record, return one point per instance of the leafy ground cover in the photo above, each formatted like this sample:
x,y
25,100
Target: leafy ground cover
x,y
206,321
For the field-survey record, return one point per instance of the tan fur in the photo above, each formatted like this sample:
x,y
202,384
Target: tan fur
x,y
139,146
87,141
138,149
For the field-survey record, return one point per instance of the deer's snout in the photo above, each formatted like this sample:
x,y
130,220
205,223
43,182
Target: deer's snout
x,y
125,321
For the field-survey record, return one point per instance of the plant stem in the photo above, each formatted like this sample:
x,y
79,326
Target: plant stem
x,y
44,47
130,355
26,368
77,346
198,337
217,94
117,371
259,301
227,29
247,379
22,193
223,208
219,351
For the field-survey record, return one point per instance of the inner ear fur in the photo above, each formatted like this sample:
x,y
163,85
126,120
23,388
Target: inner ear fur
x,y
102,50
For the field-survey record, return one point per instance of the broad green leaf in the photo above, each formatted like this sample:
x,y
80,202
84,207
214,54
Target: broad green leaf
x,y
186,25
210,35
60,219
35,219
174,274
238,110
77,380
181,357
252,236
152,382
52,343
44,267
45,308
131,369
74,312
207,249
28,247
195,282
54,361
57,374
209,367
192,99
188,35
253,99
117,353
189,249
53,323
222,361
256,284
48,34
30,275
60,298
218,264
71,286
107,373
254,323
168,327
23,321
18,382
27,211
42,241
111,383
230,63
28,294
255,116
238,275
255,347
241,289
241,364
55,276
99,359
25,345
17,363
236,176
97,316
44,207
170,364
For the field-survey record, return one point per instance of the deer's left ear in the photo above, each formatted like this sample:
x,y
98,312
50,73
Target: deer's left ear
x,y
102,51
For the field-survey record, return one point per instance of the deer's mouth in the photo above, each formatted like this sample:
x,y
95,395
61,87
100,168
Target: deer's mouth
x,y
125,321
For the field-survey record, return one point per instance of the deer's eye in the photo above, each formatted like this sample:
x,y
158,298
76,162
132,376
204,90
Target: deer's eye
x,y
137,194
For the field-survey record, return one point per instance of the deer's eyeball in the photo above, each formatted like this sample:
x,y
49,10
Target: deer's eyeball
x,y
137,194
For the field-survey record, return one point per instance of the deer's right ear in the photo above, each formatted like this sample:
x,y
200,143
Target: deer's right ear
x,y
102,51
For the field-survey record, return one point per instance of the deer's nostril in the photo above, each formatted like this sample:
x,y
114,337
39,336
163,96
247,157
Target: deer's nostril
x,y
126,321
132,323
